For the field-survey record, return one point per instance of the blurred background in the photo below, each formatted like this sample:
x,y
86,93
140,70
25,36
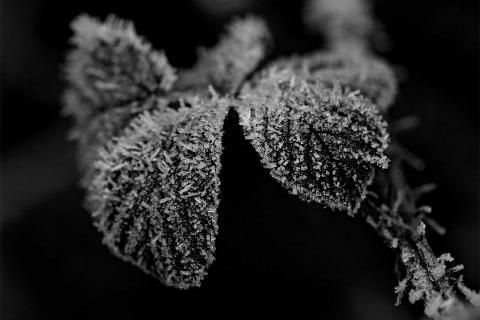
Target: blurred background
x,y
277,256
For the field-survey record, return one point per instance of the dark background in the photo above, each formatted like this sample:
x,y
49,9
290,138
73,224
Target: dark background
x,y
277,256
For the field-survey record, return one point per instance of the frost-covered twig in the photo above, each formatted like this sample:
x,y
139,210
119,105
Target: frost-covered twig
x,y
401,223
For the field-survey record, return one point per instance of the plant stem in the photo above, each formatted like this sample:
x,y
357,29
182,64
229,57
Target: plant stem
x,y
397,219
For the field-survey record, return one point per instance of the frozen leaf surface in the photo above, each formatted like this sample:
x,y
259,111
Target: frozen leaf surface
x,y
155,191
320,142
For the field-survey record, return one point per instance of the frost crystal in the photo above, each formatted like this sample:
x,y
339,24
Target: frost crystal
x,y
321,143
154,194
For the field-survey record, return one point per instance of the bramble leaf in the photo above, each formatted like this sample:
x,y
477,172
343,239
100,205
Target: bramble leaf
x,y
155,191
321,143
111,66
112,76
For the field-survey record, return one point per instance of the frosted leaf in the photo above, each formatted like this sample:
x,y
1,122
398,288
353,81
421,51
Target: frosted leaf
x,y
371,76
111,66
112,76
99,130
155,191
320,143
236,55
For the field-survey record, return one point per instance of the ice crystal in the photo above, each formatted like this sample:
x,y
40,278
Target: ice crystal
x,y
150,142
320,143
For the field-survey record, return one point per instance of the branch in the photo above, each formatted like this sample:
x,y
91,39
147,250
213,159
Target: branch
x,y
401,223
